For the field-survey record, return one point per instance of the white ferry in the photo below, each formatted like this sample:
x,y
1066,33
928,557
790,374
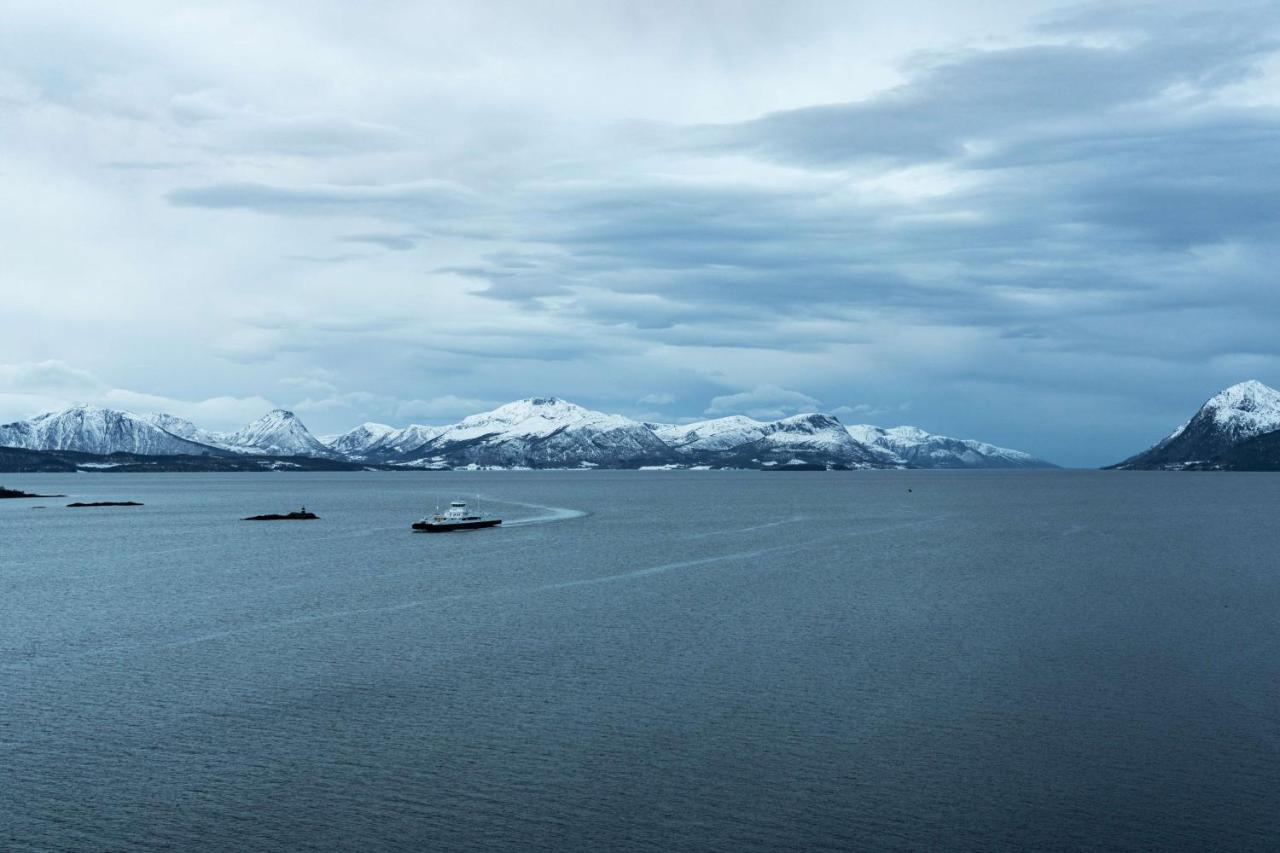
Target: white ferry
x,y
455,517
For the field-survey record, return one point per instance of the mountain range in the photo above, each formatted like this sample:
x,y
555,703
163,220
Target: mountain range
x,y
533,433
1237,429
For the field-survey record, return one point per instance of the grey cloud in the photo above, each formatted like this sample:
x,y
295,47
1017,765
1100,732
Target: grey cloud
x,y
48,375
1088,212
147,165
393,242
344,258
408,200
321,136
763,401
954,103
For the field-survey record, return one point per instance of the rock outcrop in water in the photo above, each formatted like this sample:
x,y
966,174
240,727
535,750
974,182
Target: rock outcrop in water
x,y
300,515
14,493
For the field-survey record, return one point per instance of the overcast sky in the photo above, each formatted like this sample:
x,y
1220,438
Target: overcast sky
x,y
1051,226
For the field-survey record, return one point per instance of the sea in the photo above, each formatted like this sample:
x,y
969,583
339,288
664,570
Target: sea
x,y
643,661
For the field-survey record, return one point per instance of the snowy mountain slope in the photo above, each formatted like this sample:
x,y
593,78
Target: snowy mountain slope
x,y
1229,418
715,435
184,428
535,433
377,442
920,449
813,438
356,442
740,441
279,433
403,441
90,429
544,432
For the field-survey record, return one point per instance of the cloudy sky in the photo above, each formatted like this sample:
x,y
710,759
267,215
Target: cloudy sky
x,y
1048,225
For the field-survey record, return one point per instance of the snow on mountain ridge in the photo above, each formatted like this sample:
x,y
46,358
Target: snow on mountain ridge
x,y
736,440
357,440
1249,408
1234,415
718,434
922,449
546,432
92,429
534,416
540,432
278,432
373,441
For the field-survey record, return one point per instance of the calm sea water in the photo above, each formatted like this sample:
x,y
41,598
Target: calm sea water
x,y
644,661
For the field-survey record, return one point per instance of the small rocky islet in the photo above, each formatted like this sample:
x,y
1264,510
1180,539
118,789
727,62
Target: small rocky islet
x,y
15,493
299,515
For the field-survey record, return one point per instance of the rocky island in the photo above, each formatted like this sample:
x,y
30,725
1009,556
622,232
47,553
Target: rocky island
x,y
14,493
300,515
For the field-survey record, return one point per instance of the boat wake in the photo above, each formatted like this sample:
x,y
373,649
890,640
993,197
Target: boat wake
x,y
735,556
765,526
553,514
550,514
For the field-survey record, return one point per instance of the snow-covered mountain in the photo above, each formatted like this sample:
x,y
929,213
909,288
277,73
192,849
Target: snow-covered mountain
x,y
812,438
741,441
90,429
379,442
277,433
407,440
715,435
1230,418
357,442
920,449
544,432
184,428
533,433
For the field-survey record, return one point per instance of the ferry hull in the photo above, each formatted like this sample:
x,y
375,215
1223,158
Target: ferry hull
x,y
450,526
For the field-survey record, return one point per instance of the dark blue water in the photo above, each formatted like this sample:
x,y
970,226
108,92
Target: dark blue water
x,y
702,661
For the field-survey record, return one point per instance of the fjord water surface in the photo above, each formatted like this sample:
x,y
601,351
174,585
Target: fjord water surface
x,y
652,661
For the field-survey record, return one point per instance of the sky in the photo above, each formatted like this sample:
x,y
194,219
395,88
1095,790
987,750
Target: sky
x,y
1047,225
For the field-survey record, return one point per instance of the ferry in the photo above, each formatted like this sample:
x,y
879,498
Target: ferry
x,y
455,517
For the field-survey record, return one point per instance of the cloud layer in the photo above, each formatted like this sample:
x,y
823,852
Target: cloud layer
x,y
1050,227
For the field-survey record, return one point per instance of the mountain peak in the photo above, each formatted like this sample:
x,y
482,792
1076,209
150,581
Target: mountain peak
x,y
1232,416
537,416
536,406
810,420
1248,396
82,410
279,431
92,429
546,431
